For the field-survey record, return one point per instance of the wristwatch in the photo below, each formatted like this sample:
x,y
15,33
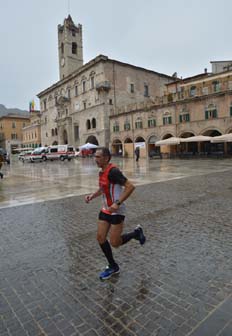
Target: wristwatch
x,y
117,202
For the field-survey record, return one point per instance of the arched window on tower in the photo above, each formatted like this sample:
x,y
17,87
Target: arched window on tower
x,y
62,47
74,48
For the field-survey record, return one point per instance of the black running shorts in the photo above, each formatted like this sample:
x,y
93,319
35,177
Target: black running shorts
x,y
111,219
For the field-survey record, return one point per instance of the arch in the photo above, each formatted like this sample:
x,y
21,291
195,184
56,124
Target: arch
x,y
94,123
93,140
55,143
166,136
210,148
65,137
152,149
117,148
128,140
186,134
53,132
88,124
211,132
229,130
139,139
56,132
152,139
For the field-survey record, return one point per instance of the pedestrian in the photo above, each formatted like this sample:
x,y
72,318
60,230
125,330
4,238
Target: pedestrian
x,y
137,153
1,162
115,189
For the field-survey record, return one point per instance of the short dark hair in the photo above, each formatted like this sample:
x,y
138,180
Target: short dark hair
x,y
105,152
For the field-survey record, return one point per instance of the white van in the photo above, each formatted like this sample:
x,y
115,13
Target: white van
x,y
39,154
60,152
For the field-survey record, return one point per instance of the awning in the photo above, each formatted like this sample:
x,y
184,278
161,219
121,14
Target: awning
x,y
88,146
222,138
197,138
169,141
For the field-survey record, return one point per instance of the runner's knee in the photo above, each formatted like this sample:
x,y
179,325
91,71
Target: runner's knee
x,y
115,242
101,238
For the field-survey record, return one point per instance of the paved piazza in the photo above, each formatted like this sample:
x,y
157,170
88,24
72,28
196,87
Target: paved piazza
x,y
179,283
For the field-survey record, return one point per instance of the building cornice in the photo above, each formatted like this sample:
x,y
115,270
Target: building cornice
x,y
96,60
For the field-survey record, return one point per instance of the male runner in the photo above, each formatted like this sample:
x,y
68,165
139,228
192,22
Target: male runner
x,y
115,189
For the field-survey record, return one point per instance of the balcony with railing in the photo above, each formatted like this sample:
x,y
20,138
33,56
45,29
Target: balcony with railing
x,y
103,86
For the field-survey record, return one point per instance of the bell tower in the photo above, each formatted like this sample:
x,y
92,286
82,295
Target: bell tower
x,y
70,47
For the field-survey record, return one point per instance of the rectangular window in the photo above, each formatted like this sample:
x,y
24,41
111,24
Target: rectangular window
x,y
84,105
138,124
132,88
45,104
83,86
13,125
76,132
127,127
53,150
69,93
110,101
167,120
151,123
214,113
216,86
205,90
184,117
231,111
13,136
76,90
211,114
116,128
146,90
92,82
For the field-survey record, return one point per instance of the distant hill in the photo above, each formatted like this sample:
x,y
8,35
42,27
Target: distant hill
x,y
5,111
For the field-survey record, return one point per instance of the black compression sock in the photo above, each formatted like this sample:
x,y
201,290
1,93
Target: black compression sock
x,y
128,236
106,248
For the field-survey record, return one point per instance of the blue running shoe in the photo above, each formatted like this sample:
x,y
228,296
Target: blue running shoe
x,y
108,272
139,235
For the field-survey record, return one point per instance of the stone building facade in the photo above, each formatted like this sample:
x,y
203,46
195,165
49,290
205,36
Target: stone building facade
x,y
200,105
77,108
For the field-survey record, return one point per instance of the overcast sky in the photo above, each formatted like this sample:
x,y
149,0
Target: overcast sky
x,y
166,36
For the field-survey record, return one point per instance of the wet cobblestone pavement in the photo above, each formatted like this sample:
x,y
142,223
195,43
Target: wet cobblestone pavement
x,y
179,283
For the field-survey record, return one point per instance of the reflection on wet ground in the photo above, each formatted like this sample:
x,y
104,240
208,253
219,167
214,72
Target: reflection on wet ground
x,y
28,183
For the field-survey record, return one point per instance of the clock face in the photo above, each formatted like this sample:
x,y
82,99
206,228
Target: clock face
x,y
62,62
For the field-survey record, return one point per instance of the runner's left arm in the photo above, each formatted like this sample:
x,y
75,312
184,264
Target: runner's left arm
x,y
90,197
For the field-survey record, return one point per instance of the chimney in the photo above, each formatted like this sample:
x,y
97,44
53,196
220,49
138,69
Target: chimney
x,y
206,71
